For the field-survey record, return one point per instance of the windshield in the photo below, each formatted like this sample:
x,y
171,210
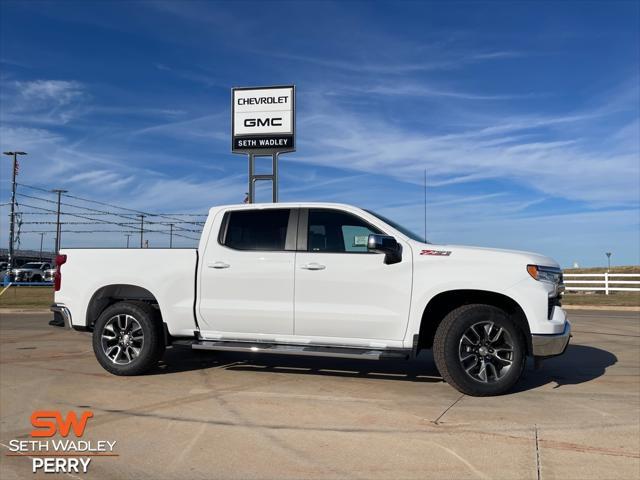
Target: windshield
x,y
31,265
400,228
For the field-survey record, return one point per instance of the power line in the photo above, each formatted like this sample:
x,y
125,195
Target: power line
x,y
106,221
85,231
95,223
121,215
112,213
169,216
89,214
139,212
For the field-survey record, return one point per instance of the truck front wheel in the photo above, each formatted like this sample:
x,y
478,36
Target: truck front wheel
x,y
479,350
128,338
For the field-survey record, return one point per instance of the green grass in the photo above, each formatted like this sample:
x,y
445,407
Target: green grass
x,y
618,299
26,297
623,269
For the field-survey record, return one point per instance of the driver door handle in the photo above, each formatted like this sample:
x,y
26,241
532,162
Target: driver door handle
x,y
313,266
218,265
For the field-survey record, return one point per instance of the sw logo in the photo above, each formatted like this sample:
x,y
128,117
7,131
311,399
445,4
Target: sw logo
x,y
49,422
61,454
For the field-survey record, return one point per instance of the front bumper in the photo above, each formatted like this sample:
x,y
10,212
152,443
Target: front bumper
x,y
61,313
551,345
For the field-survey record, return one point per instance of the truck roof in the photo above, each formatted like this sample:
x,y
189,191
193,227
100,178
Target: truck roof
x,y
256,206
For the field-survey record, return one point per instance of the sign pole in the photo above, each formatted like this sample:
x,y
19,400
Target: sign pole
x,y
274,182
252,169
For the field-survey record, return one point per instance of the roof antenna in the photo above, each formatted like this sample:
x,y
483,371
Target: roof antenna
x,y
425,205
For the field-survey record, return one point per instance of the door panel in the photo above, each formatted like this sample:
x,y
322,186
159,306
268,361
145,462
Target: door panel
x,y
341,290
353,296
246,284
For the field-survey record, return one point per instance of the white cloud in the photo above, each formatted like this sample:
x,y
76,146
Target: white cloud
x,y
422,90
212,127
44,102
567,156
438,60
56,92
18,138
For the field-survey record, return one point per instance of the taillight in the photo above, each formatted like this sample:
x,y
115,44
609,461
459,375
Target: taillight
x,y
57,277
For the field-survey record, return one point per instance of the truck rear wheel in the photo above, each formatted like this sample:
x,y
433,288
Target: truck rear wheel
x,y
128,338
479,350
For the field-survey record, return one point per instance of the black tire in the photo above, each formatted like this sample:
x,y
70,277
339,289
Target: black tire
x,y
448,344
153,345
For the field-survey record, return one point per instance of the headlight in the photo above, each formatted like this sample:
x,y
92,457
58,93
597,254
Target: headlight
x,y
545,274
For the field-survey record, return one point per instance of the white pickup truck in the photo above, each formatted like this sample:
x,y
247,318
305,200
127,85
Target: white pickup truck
x,y
318,279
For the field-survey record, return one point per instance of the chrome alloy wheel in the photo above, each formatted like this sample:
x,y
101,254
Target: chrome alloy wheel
x,y
122,339
486,352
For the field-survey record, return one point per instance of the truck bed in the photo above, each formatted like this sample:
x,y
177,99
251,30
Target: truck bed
x,y
168,275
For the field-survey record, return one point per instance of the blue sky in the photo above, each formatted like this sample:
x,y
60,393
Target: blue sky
x,y
525,114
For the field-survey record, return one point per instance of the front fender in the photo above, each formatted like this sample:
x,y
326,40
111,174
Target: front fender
x,y
422,299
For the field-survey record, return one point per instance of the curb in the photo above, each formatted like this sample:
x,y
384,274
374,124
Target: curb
x,y
23,310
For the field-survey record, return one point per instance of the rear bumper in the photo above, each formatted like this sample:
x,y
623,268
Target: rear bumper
x,y
63,313
551,345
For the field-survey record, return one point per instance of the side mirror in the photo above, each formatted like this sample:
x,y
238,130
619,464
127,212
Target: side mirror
x,y
385,244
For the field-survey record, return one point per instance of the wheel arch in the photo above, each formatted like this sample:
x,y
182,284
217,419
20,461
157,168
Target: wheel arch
x,y
441,304
110,294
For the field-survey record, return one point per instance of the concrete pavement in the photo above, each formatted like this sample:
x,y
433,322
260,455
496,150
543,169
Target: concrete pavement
x,y
226,415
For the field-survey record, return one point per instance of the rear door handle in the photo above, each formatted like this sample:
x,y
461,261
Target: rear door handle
x,y
313,266
218,265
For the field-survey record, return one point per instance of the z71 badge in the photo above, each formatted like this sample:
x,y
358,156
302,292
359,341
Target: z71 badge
x,y
437,253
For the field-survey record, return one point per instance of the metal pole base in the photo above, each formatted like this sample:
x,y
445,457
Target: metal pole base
x,y
253,178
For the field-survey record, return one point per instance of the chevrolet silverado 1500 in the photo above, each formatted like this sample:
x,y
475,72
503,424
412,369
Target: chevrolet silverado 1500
x,y
318,279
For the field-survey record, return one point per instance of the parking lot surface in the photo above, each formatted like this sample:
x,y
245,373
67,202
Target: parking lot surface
x,y
226,415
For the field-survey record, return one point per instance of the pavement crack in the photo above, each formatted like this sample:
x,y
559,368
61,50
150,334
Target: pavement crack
x,y
538,464
437,420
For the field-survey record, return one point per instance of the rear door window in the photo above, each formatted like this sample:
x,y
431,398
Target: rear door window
x,y
257,229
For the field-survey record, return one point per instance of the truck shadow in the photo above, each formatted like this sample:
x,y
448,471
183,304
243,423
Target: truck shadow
x,y
419,370
579,364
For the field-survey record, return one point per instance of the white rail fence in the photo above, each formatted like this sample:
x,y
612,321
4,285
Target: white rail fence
x,y
602,282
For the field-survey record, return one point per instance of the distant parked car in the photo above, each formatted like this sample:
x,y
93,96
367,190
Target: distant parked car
x,y
31,272
48,274
3,269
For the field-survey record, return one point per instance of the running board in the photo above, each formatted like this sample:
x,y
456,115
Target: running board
x,y
311,351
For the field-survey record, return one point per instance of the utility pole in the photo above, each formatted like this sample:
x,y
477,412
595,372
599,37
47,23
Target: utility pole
x,y
127,235
41,239
13,210
171,235
58,226
141,230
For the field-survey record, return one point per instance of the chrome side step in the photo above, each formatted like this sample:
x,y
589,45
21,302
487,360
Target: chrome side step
x,y
311,351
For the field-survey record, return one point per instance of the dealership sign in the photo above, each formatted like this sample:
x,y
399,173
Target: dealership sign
x,y
263,120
